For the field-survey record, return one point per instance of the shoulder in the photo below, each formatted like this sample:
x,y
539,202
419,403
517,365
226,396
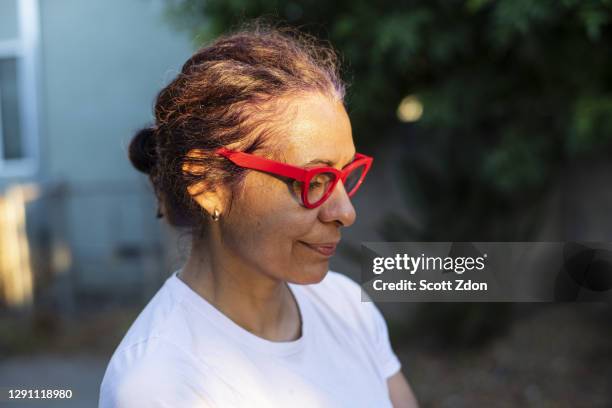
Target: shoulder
x,y
168,316
155,354
152,373
152,321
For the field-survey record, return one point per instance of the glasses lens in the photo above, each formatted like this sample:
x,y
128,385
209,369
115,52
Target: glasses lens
x,y
351,184
319,186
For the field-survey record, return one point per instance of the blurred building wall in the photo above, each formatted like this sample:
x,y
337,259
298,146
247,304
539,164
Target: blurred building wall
x,y
99,66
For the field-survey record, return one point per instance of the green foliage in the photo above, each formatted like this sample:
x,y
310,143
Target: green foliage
x,y
592,126
512,90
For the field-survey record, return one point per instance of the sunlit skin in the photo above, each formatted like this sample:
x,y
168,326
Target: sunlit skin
x,y
262,242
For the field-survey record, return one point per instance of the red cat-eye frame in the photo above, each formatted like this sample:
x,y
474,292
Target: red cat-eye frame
x,y
304,176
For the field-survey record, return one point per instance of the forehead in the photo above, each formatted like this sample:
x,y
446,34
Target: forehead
x,y
315,127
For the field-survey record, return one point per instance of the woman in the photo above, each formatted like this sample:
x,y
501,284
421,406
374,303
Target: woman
x,y
252,152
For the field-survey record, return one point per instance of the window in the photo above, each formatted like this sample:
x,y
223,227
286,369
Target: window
x,y
19,121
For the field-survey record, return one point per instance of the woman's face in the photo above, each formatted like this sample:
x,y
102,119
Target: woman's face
x,y
267,228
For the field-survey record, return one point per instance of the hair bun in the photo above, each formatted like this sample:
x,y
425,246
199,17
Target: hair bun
x,y
142,150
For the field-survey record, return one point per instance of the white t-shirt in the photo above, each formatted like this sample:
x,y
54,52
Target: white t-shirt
x,y
182,352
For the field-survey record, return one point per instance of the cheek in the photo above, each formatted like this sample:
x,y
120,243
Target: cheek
x,y
273,209
266,225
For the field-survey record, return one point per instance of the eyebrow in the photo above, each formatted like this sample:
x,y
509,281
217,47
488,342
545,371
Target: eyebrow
x,y
319,161
327,162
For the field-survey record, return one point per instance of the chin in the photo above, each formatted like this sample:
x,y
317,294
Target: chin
x,y
310,274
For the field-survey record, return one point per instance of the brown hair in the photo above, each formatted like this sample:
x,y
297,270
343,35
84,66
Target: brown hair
x,y
227,93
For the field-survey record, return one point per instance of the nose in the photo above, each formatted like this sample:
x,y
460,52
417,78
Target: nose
x,y
338,207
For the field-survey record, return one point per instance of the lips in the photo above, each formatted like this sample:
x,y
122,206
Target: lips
x,y
325,249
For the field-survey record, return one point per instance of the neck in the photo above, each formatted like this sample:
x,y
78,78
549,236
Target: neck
x,y
257,302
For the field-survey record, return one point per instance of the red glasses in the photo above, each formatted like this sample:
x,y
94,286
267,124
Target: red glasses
x,y
316,184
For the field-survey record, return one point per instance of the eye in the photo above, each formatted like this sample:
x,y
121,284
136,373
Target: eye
x,y
318,181
315,184
319,186
296,186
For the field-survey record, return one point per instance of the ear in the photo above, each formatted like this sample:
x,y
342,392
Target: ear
x,y
208,197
